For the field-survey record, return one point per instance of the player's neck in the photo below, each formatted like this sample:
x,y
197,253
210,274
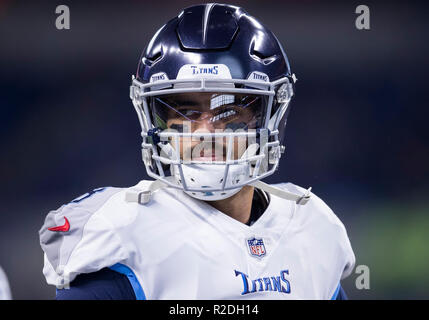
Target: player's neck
x,y
238,206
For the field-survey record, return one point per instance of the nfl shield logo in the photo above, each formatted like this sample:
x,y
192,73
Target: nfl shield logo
x,y
256,247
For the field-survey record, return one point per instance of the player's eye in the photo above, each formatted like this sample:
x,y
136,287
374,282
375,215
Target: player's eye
x,y
236,126
228,110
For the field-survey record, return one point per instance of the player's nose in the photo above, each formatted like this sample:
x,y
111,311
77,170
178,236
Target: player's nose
x,y
204,123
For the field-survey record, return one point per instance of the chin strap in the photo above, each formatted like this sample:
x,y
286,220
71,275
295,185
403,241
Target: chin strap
x,y
143,194
299,199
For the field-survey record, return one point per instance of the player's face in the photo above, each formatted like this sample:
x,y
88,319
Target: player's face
x,y
211,112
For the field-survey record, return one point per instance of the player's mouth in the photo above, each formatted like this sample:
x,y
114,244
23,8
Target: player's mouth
x,y
210,156
207,152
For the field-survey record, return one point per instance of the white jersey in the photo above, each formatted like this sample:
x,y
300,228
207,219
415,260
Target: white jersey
x,y
177,247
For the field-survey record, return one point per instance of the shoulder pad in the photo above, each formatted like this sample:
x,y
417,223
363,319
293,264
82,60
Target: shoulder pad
x,y
320,215
63,231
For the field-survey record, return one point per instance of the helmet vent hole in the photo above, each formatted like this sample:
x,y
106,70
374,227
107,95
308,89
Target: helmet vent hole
x,y
192,179
152,59
221,180
261,57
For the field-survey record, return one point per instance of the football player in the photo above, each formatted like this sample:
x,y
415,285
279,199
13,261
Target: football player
x,y
212,93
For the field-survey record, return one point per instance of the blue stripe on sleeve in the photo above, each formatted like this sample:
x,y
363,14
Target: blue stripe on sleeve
x,y
334,296
123,269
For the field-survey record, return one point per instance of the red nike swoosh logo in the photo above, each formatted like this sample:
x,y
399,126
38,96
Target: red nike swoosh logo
x,y
65,227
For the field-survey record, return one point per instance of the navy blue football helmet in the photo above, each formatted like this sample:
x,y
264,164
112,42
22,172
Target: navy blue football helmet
x,y
212,76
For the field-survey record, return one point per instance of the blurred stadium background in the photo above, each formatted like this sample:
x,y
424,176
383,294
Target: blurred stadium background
x,y
357,132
